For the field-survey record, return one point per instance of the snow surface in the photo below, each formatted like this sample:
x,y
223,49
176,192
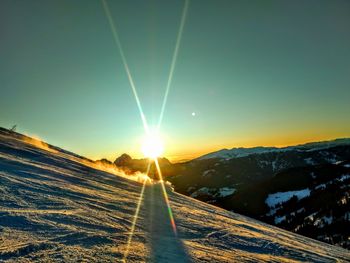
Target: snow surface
x,y
309,161
221,192
226,191
328,219
201,191
325,220
279,219
344,177
320,186
273,199
56,208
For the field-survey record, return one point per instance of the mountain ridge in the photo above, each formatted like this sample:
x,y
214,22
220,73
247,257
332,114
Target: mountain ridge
x,y
245,151
55,208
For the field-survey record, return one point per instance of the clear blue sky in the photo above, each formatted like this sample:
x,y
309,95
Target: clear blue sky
x,y
254,72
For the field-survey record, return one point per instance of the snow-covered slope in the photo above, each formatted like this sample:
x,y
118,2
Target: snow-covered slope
x,y
55,207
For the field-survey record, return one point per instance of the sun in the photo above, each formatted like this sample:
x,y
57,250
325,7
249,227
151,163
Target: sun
x,y
152,145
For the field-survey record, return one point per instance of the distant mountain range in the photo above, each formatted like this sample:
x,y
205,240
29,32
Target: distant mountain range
x,y
242,152
59,207
303,188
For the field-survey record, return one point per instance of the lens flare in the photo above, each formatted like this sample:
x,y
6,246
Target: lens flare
x,y
152,145
136,215
126,66
173,62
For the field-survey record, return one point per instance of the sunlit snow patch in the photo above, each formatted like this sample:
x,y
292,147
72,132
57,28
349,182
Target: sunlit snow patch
x,y
273,199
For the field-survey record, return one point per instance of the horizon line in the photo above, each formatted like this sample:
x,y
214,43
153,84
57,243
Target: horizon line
x,y
187,156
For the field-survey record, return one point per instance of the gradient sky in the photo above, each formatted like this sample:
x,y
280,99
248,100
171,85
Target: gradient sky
x,y
254,72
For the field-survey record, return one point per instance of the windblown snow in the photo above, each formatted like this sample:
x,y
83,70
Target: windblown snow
x,y
54,207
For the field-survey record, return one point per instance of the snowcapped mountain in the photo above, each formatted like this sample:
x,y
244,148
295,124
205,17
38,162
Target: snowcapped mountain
x,y
243,152
58,207
257,177
238,152
313,201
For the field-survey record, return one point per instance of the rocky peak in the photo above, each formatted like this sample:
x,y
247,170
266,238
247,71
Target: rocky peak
x,y
123,160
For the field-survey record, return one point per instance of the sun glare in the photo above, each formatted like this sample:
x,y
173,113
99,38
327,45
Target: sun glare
x,y
152,145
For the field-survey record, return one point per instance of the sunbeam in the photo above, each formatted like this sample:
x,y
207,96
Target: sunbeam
x,y
172,221
152,147
136,215
119,46
173,62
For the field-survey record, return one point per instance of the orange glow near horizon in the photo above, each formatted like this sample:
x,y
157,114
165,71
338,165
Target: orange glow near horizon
x,y
197,150
181,152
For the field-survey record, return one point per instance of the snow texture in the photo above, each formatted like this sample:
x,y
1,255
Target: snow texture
x,y
279,219
344,177
56,208
221,192
309,161
201,191
273,199
226,191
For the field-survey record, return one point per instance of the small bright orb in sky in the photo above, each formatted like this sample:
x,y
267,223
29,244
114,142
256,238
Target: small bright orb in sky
x,y
152,145
193,114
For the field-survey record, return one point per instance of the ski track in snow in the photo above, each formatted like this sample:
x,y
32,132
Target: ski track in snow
x,y
165,246
54,208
